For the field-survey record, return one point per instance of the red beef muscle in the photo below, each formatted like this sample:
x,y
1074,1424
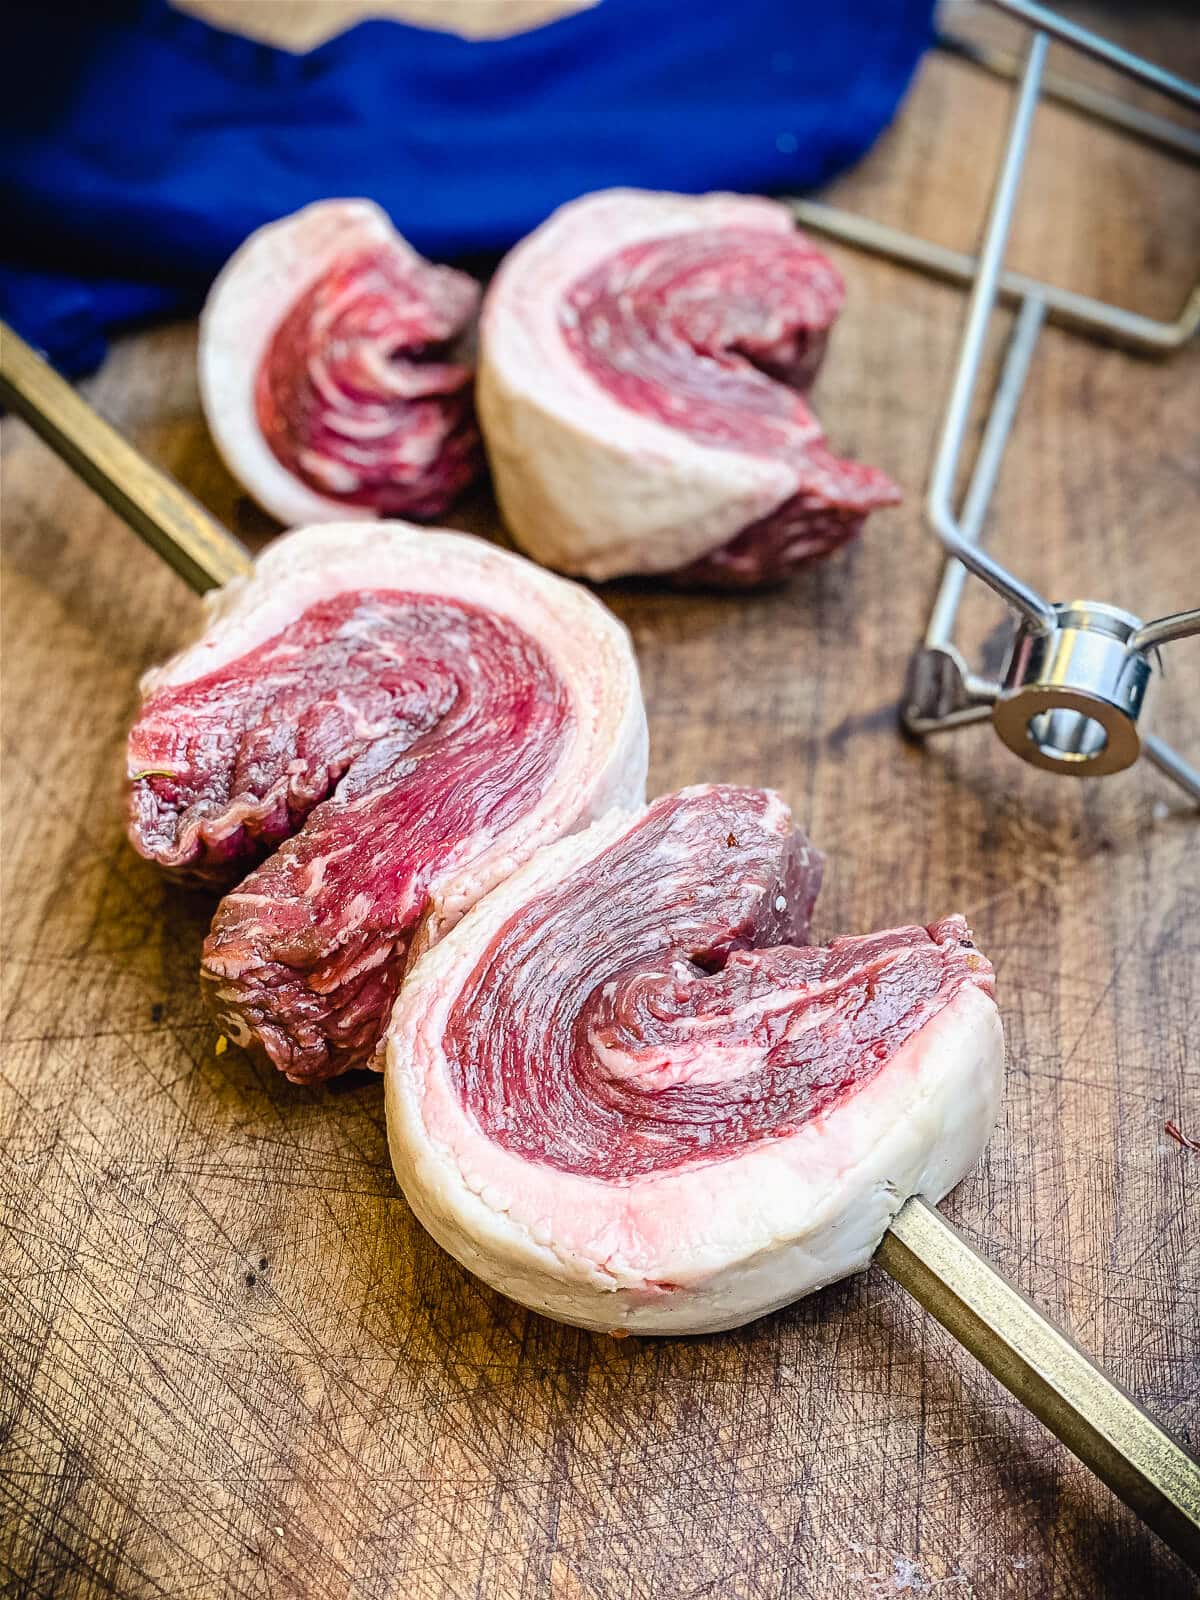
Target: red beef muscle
x,y
627,1092
334,369
391,752
643,362
354,396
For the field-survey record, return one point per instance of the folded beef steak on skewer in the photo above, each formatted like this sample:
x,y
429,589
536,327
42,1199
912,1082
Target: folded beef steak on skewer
x,y
394,718
625,1092
334,370
643,359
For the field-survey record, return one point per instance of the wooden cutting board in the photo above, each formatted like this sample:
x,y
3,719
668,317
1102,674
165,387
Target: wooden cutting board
x,y
231,1364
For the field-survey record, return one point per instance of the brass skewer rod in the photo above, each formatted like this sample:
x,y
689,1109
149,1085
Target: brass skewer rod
x,y
178,528
923,1252
1047,1372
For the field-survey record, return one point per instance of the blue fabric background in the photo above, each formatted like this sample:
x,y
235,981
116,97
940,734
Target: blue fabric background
x,y
138,146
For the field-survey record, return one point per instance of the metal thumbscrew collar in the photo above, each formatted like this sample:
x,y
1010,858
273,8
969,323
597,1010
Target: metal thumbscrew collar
x,y
1073,692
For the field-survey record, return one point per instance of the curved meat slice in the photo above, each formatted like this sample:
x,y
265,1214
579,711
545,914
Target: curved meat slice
x,y
402,717
624,1093
642,358
331,369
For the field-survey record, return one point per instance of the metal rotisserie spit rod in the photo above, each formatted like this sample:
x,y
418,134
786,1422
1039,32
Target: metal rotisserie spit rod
x,y
203,553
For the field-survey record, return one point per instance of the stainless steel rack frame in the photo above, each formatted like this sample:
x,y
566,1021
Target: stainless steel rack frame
x,y
1072,693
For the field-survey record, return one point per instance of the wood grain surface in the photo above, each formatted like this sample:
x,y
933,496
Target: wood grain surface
x,y
231,1364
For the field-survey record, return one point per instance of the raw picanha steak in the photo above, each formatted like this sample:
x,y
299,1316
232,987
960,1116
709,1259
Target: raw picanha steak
x,y
395,719
625,1093
332,370
643,359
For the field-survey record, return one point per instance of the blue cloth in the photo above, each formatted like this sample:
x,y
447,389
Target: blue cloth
x,y
139,146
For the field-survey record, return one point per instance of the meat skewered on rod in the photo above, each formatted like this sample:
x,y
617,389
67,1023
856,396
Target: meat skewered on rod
x,y
922,1251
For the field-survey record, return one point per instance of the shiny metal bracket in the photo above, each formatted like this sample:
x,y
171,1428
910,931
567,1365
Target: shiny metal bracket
x,y
1072,694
